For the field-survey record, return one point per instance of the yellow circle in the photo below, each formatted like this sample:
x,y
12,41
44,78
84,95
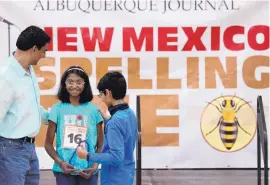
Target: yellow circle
x,y
228,123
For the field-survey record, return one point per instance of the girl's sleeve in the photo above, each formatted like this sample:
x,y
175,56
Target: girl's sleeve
x,y
98,117
53,114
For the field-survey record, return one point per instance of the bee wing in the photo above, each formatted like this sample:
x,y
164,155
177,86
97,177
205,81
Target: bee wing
x,y
237,122
220,120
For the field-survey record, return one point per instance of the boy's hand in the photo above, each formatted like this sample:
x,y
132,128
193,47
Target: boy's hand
x,y
82,152
87,173
104,113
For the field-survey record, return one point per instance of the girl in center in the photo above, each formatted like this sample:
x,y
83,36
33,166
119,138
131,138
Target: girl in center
x,y
73,120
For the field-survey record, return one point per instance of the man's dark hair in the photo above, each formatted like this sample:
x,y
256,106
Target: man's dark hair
x,y
115,82
32,36
85,96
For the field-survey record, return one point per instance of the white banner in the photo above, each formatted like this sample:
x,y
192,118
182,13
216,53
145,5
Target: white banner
x,y
198,66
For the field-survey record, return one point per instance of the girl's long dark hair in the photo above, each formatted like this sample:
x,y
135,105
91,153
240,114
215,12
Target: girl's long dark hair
x,y
85,96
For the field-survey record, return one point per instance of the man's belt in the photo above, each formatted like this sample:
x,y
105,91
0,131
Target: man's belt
x,y
28,139
24,139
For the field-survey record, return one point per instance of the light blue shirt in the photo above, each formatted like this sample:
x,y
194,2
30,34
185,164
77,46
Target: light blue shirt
x,y
20,112
85,115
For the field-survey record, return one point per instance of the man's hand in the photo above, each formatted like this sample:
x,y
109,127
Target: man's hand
x,y
82,152
67,168
87,173
104,112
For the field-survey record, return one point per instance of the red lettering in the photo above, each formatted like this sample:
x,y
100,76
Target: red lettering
x,y
215,38
252,37
49,31
229,33
63,39
146,35
164,39
257,38
104,43
194,39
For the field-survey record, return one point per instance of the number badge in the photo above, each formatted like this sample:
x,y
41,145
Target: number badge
x,y
73,135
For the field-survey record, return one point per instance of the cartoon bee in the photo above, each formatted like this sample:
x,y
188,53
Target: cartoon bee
x,y
228,123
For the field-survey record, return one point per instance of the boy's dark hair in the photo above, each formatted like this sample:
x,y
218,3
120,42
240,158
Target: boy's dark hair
x,y
85,96
115,82
32,36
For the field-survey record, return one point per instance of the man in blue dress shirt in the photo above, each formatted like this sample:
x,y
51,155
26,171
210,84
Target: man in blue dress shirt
x,y
20,112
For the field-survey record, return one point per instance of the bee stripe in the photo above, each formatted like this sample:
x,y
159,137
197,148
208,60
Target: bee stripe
x,y
228,128
228,132
227,124
228,140
228,136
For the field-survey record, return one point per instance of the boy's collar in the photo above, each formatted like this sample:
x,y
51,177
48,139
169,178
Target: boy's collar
x,y
114,109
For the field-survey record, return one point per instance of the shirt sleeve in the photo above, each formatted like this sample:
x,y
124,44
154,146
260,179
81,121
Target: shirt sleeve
x,y
98,117
6,98
44,115
53,115
115,156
